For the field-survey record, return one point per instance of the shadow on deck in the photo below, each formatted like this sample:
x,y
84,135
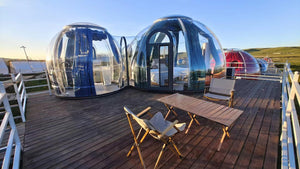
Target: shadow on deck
x,y
94,133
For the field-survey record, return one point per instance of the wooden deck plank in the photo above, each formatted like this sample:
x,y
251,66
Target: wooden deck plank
x,y
203,146
89,140
71,129
245,156
273,138
235,150
193,138
94,133
152,155
258,156
219,157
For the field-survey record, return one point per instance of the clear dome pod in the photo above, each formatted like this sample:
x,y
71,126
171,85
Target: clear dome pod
x,y
176,53
243,62
84,60
263,65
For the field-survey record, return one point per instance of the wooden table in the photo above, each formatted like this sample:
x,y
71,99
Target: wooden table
x,y
221,114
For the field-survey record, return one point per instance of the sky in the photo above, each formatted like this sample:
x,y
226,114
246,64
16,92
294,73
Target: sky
x,y
236,23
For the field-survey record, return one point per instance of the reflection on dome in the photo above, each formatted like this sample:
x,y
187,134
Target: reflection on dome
x,y
243,62
269,60
175,53
84,60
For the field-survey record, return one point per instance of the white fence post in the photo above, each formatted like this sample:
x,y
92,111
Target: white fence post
x,y
284,142
293,91
18,97
13,137
292,111
48,82
23,94
290,137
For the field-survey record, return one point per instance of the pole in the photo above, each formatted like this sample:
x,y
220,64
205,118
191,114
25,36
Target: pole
x,y
126,57
25,52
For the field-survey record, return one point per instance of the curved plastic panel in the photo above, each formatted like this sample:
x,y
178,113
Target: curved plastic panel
x,y
193,49
84,60
243,62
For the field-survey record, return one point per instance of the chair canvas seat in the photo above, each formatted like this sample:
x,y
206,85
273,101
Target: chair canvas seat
x,y
216,96
158,128
221,89
160,124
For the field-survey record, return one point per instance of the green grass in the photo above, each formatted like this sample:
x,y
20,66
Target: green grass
x,y
36,83
279,54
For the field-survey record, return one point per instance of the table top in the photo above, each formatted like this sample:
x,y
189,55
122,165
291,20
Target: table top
x,y
212,111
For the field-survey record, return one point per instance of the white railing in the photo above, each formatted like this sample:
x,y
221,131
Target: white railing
x,y
273,73
20,88
40,76
290,136
14,142
21,95
275,77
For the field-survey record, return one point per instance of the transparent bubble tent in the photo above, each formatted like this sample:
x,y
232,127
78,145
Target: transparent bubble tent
x,y
84,60
175,53
263,65
243,62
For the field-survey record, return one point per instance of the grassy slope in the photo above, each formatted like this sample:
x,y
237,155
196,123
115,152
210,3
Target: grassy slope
x,y
279,54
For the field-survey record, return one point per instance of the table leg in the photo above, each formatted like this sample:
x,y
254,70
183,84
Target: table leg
x,y
225,132
187,130
193,117
170,108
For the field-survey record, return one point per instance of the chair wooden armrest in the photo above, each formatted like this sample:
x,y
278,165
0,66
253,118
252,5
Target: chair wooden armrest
x,y
231,99
177,129
168,128
144,111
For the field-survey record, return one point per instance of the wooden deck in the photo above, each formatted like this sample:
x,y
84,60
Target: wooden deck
x,y
94,133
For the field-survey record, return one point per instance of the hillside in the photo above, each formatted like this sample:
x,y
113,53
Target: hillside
x,y
279,54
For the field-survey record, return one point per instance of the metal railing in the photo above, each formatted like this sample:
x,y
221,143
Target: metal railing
x,y
21,95
14,142
290,136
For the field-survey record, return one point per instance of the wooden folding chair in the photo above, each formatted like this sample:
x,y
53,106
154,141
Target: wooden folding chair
x,y
220,89
158,128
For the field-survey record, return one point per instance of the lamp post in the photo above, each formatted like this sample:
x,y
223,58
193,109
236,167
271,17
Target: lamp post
x,y
27,57
25,52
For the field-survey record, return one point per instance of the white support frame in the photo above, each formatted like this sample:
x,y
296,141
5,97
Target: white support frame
x,y
20,90
21,95
13,140
37,86
275,75
290,136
